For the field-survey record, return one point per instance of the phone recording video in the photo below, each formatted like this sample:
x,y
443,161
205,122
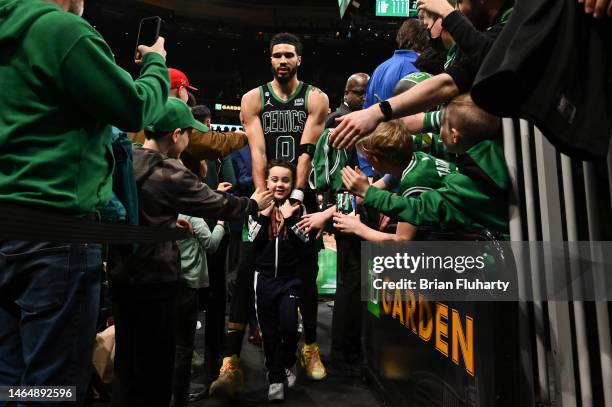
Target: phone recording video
x,y
148,33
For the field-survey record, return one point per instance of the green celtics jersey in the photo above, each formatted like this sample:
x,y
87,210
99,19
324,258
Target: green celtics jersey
x,y
475,196
425,172
283,121
431,143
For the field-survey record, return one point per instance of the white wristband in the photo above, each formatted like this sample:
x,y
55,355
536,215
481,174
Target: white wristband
x,y
297,195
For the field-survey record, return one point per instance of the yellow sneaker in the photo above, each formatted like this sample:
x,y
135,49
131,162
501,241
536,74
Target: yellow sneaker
x,y
231,378
310,358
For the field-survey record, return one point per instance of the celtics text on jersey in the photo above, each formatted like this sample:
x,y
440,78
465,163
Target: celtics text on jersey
x,y
283,121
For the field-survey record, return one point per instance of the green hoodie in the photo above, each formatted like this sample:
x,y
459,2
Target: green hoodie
x,y
60,92
475,197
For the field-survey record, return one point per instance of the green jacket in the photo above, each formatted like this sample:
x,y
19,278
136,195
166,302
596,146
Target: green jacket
x,y
61,92
475,197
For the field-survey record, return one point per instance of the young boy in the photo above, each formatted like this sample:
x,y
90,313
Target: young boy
x,y
194,276
278,243
390,150
144,279
475,197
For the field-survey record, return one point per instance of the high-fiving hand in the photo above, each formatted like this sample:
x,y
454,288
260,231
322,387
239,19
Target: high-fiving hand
x,y
314,220
348,224
354,126
355,181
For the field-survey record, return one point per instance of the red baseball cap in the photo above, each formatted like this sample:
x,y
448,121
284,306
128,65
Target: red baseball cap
x,y
178,79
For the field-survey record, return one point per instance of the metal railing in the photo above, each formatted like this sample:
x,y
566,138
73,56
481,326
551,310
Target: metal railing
x,y
551,202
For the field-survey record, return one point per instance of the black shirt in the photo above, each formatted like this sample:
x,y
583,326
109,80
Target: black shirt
x,y
473,45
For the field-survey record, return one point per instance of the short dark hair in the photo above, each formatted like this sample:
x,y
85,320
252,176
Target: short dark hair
x,y
201,112
284,164
286,38
412,35
156,135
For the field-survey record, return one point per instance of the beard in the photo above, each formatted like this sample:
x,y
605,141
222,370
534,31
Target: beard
x,y
76,7
284,79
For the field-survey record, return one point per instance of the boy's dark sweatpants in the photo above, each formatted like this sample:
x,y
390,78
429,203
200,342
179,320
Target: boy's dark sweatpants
x,y
276,305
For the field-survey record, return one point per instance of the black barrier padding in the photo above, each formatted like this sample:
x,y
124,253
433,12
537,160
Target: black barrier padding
x,y
18,223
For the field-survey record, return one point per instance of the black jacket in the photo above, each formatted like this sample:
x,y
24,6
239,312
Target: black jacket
x,y
167,188
473,45
552,65
277,256
342,110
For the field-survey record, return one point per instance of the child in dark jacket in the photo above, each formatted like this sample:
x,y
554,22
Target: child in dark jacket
x,y
278,243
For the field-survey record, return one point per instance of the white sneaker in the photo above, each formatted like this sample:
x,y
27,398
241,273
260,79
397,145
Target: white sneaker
x,y
291,374
198,325
276,392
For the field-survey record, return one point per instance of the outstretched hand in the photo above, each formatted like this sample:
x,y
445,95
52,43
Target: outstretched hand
x,y
347,223
315,220
355,126
263,197
355,181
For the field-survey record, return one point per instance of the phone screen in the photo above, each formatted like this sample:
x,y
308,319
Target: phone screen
x,y
148,32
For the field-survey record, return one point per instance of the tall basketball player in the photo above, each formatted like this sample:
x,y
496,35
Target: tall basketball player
x,y
283,120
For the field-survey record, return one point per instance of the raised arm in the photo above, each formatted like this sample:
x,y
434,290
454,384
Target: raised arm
x,y
250,107
420,98
352,225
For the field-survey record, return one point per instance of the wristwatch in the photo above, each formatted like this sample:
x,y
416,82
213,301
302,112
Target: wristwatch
x,y
385,108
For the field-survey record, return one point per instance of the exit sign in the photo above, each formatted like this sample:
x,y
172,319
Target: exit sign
x,y
396,8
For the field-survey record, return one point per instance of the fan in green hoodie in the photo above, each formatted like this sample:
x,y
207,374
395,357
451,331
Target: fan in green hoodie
x,y
475,197
61,92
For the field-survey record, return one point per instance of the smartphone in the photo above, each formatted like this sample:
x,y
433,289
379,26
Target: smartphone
x,y
345,202
148,33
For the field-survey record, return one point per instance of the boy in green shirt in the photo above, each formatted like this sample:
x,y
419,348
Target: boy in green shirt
x,y
390,149
474,197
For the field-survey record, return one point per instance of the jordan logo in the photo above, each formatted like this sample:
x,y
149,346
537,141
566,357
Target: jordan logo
x,y
268,103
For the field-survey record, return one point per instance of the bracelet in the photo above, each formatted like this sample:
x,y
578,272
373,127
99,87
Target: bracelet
x,y
297,194
385,108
